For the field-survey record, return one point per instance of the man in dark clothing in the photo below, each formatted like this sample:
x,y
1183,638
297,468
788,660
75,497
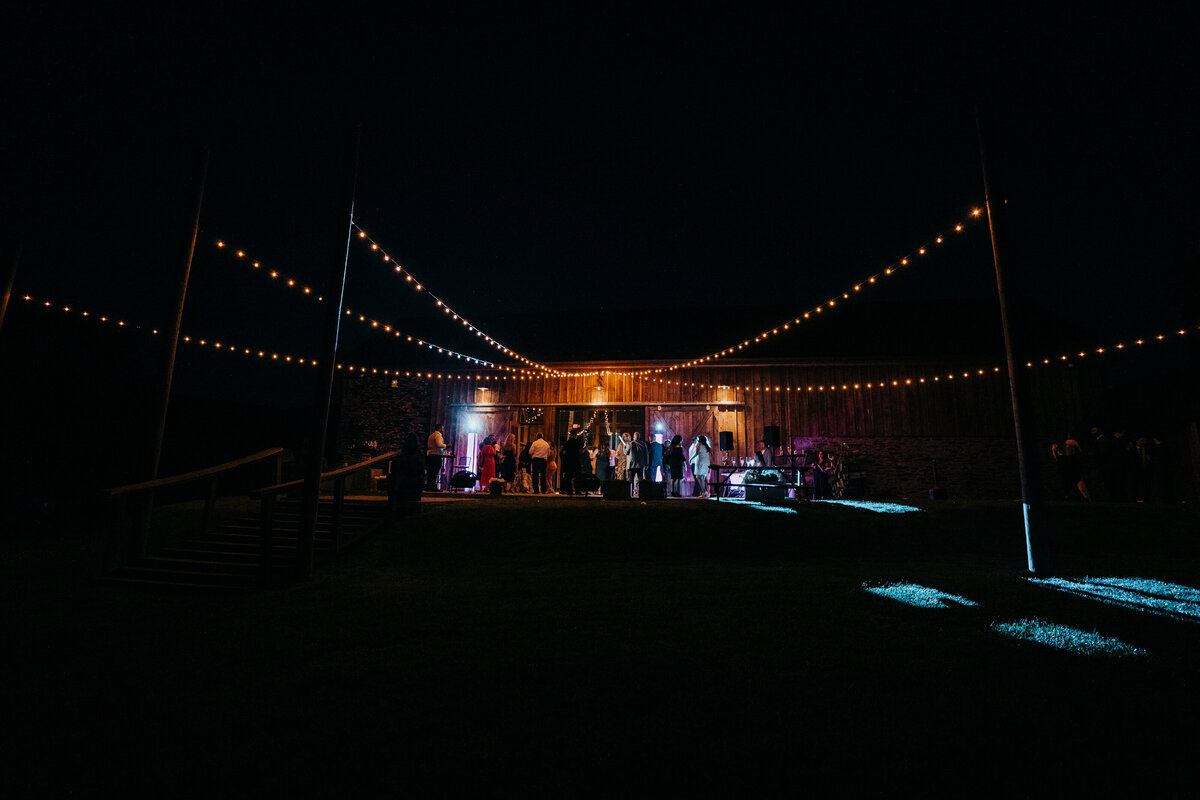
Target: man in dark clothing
x,y
655,449
637,460
568,465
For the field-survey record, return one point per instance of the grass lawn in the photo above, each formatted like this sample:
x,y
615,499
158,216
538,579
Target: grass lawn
x,y
552,646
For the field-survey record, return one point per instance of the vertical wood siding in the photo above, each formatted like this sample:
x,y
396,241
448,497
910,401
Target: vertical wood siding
x,y
806,402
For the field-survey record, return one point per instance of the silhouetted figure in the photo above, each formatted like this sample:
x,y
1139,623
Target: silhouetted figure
x,y
434,447
635,460
1069,460
820,472
569,464
675,460
655,451
408,472
508,462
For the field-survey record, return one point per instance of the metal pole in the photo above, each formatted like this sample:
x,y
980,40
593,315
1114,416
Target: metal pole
x,y
1037,548
334,294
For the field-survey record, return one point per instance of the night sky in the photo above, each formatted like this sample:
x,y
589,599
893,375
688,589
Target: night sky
x,y
573,167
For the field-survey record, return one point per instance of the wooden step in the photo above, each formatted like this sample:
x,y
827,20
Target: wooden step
x,y
228,559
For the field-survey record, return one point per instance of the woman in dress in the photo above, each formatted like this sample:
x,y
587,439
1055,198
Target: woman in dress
x,y
551,471
700,463
487,462
603,457
821,476
508,462
675,460
619,472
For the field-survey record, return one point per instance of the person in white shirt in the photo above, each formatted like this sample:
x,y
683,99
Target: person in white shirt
x,y
539,452
434,446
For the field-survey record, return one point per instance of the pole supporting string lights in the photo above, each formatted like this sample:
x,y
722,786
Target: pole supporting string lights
x,y
362,318
418,286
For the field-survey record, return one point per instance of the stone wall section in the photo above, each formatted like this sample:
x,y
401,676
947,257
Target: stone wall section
x,y
384,412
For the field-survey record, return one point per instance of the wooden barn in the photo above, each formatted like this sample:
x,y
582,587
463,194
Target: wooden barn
x,y
895,390
889,422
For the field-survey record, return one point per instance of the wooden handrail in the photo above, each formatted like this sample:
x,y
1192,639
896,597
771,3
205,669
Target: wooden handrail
x,y
282,488
189,477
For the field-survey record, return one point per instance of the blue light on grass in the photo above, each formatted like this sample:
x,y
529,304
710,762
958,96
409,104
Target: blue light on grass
x,y
1062,637
914,594
1142,594
878,508
762,506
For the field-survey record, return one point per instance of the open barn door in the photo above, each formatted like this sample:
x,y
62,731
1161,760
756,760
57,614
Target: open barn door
x,y
691,421
476,425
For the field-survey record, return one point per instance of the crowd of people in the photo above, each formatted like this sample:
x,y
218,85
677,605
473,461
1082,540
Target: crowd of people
x,y
541,468
1101,466
1114,467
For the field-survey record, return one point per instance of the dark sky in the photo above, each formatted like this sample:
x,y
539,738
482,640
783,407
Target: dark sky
x,y
603,160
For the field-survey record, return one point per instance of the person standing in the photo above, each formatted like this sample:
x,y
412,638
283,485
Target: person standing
x,y
539,453
569,465
508,462
603,456
435,445
655,449
621,462
700,462
635,465
674,462
487,462
551,472
1069,459
821,476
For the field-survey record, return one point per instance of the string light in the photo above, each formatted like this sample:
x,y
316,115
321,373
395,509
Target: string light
x,y
50,305
891,269
387,328
399,269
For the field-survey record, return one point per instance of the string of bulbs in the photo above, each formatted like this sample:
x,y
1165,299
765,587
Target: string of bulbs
x,y
214,344
418,286
284,280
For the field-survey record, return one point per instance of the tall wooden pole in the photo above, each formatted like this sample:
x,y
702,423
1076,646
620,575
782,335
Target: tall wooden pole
x,y
171,340
339,255
166,369
1037,548
10,277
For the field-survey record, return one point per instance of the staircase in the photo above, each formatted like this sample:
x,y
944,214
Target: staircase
x,y
229,559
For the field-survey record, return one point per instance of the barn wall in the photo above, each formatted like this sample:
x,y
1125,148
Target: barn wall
x,y
894,419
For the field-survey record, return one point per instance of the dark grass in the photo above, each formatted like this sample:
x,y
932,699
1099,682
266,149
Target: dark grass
x,y
588,647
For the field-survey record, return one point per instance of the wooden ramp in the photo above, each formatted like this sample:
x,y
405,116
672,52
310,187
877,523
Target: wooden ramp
x,y
230,558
